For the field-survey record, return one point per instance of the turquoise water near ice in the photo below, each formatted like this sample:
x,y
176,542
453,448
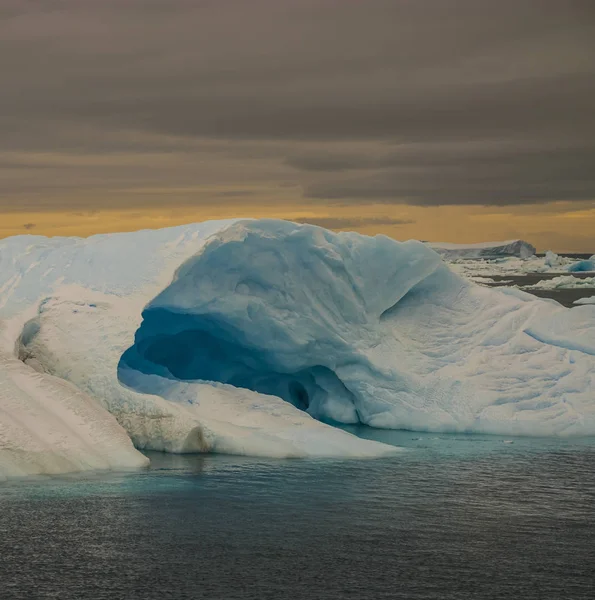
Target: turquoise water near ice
x,y
453,516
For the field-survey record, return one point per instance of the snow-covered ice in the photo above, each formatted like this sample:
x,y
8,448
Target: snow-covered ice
x,y
254,337
589,300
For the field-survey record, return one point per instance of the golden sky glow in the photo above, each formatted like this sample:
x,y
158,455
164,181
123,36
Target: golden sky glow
x,y
460,121
563,227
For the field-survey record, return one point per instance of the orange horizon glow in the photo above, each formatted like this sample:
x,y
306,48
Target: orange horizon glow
x,y
565,227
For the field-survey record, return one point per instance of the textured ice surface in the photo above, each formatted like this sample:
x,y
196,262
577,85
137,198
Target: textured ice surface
x,y
516,248
71,308
49,426
247,336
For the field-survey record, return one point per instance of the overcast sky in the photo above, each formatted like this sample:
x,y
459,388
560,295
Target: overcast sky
x,y
369,114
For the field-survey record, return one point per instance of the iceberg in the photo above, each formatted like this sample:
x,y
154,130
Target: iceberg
x,y
261,336
583,266
510,248
552,259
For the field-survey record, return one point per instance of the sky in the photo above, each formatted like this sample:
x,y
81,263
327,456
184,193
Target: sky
x,y
441,120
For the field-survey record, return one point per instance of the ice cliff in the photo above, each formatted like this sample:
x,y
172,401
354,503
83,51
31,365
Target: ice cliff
x,y
256,337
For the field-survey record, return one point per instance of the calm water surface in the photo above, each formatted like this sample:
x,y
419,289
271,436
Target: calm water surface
x,y
565,296
451,517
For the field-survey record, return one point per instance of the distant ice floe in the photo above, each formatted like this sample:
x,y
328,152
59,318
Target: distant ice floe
x,y
255,337
488,280
563,282
590,300
514,266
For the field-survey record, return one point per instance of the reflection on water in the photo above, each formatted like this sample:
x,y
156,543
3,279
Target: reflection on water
x,y
456,516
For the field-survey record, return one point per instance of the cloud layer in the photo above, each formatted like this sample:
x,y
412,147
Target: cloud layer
x,y
352,222
190,101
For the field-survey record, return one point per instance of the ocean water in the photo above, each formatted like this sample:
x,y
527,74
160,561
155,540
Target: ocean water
x,y
452,516
566,297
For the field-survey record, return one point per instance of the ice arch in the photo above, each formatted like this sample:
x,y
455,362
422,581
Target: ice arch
x,y
282,309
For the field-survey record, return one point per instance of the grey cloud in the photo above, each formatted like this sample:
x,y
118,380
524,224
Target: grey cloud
x,y
280,80
349,222
456,173
449,188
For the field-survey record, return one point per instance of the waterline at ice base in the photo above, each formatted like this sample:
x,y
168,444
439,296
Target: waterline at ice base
x,y
259,337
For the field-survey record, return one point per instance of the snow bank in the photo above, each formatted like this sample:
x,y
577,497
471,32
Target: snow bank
x,y
254,337
516,248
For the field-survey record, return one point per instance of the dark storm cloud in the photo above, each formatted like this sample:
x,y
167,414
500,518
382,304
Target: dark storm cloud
x,y
349,222
424,81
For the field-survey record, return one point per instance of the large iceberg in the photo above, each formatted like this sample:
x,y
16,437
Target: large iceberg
x,y
515,248
257,337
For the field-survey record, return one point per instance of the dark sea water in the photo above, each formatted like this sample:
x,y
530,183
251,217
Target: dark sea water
x,y
453,516
564,296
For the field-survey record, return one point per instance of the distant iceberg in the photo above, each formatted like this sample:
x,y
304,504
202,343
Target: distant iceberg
x,y
552,259
257,337
583,266
516,248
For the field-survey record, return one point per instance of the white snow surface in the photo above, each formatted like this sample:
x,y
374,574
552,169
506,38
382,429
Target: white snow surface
x,y
589,300
516,248
243,336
